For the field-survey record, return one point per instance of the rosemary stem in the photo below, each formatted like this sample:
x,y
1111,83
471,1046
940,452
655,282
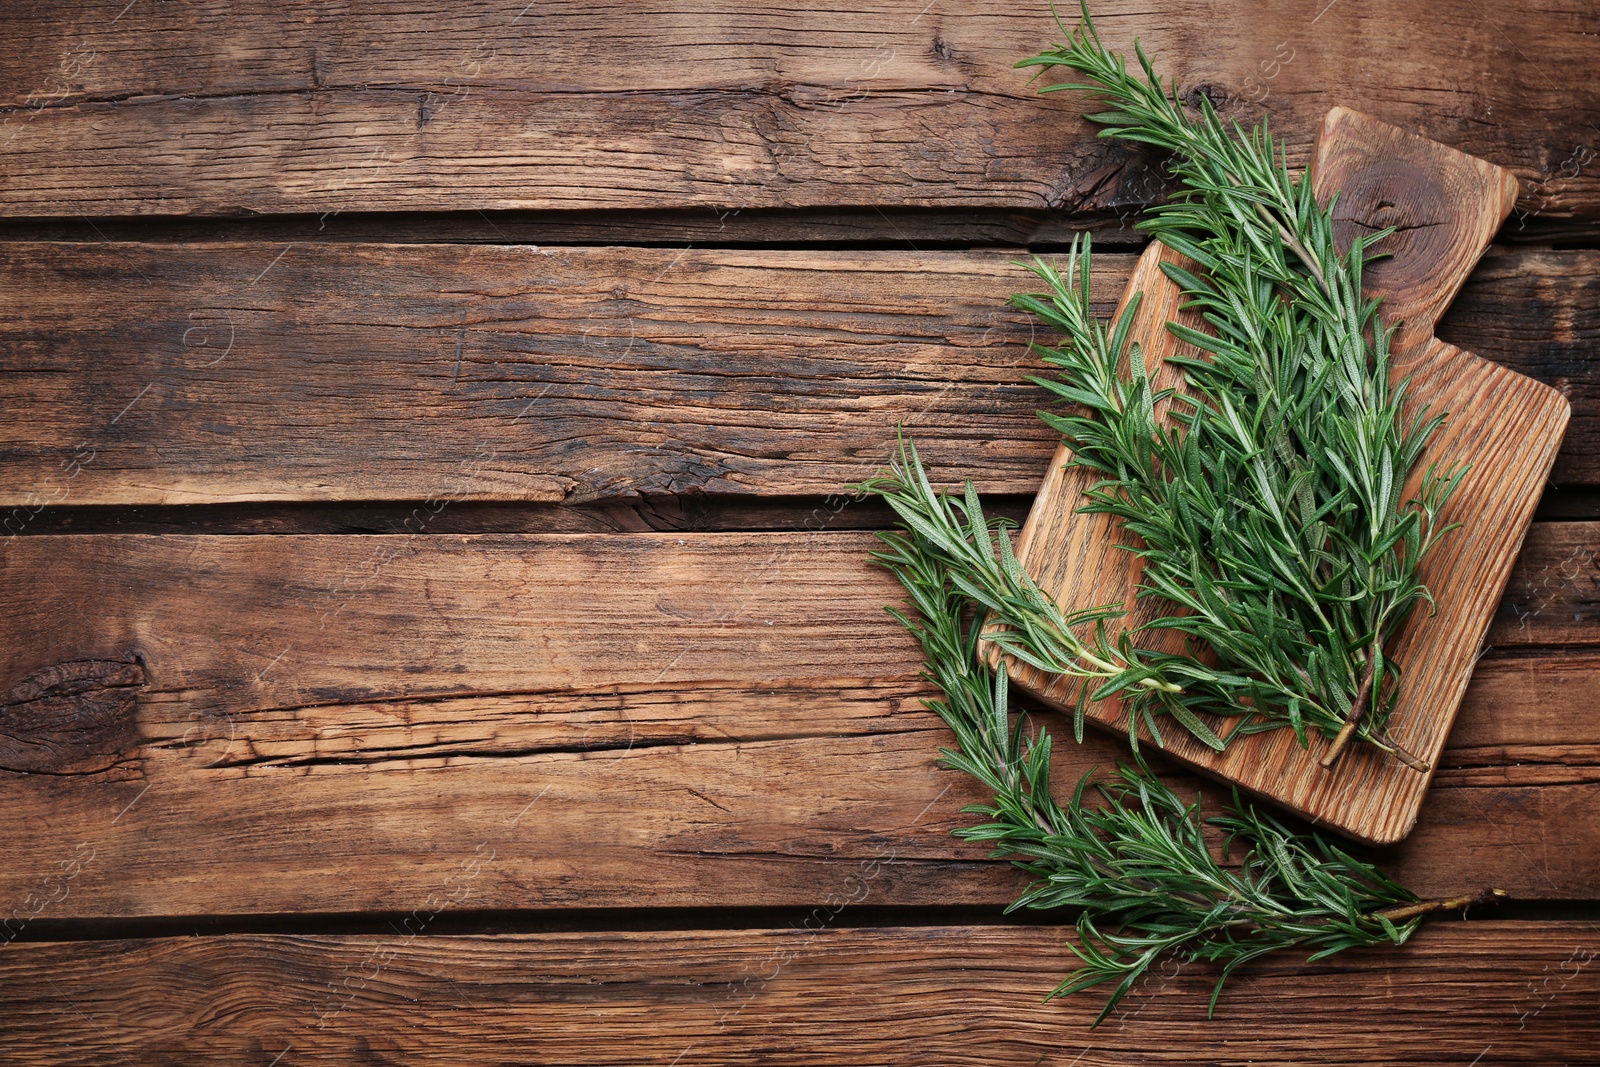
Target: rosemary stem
x,y
1358,706
1339,741
1423,907
1388,744
1105,668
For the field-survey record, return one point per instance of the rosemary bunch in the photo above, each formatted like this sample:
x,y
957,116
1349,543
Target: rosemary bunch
x,y
1138,865
1267,497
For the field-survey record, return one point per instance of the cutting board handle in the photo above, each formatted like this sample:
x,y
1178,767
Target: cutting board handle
x,y
1445,204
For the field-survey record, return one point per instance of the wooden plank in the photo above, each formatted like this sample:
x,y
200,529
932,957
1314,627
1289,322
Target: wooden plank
x,y
118,111
1552,339
243,372
465,372
1490,992
249,725
1557,581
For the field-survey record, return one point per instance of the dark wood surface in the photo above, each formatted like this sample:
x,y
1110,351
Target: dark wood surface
x,y
297,371
439,630
702,728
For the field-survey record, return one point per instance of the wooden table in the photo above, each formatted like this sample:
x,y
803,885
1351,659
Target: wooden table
x,y
439,631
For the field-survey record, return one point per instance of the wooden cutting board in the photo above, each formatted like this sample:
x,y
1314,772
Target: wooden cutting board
x,y
1446,206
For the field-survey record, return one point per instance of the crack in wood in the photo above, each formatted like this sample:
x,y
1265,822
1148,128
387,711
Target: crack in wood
x,y
427,754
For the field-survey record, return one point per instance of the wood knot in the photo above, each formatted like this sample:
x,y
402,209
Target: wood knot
x,y
1217,96
1442,204
73,718
1402,194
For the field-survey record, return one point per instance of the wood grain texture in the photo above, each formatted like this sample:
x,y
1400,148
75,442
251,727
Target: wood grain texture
x,y
228,372
1492,991
249,108
333,724
1502,429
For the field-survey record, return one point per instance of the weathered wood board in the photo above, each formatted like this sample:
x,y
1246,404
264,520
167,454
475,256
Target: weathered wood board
x,y
281,724
224,372
1502,428
818,993
147,109
1557,581
284,743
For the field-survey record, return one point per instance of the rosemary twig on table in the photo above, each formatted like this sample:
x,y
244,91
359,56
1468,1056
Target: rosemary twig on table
x,y
1267,497
1137,865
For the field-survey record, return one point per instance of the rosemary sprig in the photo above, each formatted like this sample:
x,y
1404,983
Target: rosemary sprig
x,y
1138,865
1033,628
1268,498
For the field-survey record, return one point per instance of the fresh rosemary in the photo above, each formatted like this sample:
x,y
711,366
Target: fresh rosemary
x,y
1137,865
1268,497
1269,505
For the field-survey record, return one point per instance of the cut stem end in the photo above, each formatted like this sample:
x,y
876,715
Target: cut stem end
x,y
1343,738
1424,907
